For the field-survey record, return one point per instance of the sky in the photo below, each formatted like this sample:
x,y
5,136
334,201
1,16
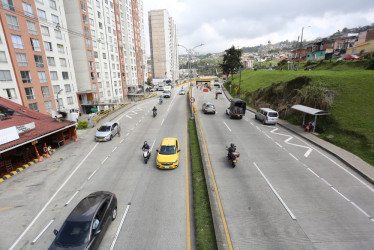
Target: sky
x,y
220,24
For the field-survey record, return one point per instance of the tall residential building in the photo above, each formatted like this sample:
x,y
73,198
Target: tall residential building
x,y
163,41
36,68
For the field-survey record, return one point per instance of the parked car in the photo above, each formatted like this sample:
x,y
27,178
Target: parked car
x,y
87,223
166,94
267,116
107,131
182,92
351,57
208,108
237,108
168,153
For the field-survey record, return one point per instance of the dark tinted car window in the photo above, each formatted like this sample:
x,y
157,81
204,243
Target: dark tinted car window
x,y
104,128
73,233
210,106
273,114
167,150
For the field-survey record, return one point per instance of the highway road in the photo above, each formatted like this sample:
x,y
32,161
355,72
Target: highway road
x,y
284,193
153,205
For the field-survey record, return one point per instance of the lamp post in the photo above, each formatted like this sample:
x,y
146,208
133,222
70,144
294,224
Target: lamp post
x,y
301,42
190,52
58,101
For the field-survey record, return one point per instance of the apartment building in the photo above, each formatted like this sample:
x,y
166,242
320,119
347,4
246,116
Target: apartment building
x,y
163,42
40,71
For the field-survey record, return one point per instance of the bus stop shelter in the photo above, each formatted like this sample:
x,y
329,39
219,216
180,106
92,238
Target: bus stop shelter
x,y
310,111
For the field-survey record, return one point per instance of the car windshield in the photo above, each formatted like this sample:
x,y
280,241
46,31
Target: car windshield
x,y
167,150
104,128
273,114
73,233
210,106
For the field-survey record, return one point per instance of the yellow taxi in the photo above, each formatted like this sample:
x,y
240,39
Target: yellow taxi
x,y
168,153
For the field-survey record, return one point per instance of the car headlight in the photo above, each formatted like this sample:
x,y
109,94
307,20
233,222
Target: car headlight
x,y
175,161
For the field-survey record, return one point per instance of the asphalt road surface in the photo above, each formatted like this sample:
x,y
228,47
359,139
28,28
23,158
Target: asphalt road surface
x,y
283,193
153,205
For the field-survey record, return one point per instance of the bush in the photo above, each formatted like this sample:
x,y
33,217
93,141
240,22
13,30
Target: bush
x,y
370,64
82,125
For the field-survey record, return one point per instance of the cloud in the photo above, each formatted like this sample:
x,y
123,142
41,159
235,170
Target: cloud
x,y
220,24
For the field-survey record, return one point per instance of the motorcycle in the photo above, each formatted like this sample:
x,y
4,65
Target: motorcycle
x,y
154,113
232,156
146,154
160,101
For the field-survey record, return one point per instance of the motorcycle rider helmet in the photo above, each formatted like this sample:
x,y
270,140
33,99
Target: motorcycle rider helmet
x,y
232,145
145,142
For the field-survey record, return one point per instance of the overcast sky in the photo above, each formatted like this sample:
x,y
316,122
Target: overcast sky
x,y
219,24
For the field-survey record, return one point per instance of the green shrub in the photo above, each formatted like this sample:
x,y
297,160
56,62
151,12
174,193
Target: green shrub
x,y
370,64
82,125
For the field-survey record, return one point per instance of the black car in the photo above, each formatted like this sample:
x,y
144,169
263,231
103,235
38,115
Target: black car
x,y
85,227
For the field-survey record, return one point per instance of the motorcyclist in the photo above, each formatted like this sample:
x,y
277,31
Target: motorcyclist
x,y
145,146
154,109
160,100
216,95
231,149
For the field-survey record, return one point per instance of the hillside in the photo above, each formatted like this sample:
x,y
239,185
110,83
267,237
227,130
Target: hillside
x,y
345,89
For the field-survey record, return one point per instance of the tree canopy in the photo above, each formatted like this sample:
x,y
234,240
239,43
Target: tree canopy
x,y
231,60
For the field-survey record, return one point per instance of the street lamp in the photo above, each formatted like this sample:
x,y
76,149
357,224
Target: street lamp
x,y
58,101
190,52
301,42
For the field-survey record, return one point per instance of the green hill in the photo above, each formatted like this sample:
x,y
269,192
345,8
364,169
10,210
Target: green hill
x,y
345,89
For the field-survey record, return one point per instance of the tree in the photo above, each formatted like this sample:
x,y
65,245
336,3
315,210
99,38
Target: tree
x,y
231,61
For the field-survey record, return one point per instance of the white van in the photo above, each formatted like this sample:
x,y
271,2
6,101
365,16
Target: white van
x,y
267,116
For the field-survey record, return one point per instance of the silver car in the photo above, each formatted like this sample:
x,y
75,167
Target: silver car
x,y
107,131
267,116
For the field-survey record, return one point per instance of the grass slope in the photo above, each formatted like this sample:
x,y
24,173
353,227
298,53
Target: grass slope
x,y
351,124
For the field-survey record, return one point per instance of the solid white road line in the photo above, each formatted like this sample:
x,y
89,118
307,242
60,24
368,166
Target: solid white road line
x,y
40,234
50,200
119,227
276,193
67,203
227,126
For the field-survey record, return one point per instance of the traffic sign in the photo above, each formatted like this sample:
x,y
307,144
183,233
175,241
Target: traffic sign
x,y
192,99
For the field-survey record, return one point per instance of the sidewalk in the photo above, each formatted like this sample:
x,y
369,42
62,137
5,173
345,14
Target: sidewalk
x,y
354,162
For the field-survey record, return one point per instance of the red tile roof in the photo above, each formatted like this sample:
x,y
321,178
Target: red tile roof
x,y
44,124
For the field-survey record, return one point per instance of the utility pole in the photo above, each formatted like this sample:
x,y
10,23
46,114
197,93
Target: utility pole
x,y
190,53
301,43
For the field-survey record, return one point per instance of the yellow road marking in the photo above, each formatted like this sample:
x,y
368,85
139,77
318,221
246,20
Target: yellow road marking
x,y
11,188
4,208
187,189
215,188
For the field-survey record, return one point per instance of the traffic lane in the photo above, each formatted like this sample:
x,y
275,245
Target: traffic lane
x,y
81,172
324,203
157,216
325,167
253,213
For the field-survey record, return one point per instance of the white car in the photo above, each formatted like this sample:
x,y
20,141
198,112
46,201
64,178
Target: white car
x,y
182,92
166,94
107,131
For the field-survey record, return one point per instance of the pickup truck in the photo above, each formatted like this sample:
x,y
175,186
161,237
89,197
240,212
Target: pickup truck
x,y
236,109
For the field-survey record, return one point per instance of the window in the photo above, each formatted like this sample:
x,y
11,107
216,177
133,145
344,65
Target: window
x,y
86,31
100,25
30,93
17,42
11,93
90,10
48,46
41,14
31,26
46,92
22,60
85,20
98,75
40,1
27,9
51,61
8,4
83,6
56,89
34,106
60,48
42,77
48,106
26,77
3,57
104,56
63,62
67,88
96,54
99,14
92,65
45,30
88,43
89,54
58,34
12,22
54,75
92,75
65,75
35,44
39,61
54,19
70,100
52,4
5,75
